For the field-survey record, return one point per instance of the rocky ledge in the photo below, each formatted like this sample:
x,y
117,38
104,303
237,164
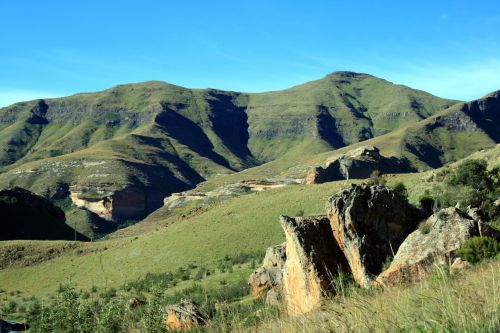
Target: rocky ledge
x,y
356,164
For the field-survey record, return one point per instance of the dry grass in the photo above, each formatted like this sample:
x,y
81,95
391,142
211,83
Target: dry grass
x,y
465,302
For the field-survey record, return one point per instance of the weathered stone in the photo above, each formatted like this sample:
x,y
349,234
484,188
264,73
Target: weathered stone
x,y
358,163
127,204
369,223
312,258
184,316
270,274
135,302
459,264
433,243
274,296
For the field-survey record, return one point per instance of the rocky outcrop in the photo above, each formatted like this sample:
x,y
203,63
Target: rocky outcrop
x,y
435,242
359,163
184,316
312,258
270,274
369,224
224,192
127,204
25,215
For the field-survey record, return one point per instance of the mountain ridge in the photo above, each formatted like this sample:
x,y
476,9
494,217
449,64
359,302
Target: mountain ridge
x,y
155,138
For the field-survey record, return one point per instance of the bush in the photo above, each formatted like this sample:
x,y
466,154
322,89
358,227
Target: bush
x,y
472,173
478,248
401,189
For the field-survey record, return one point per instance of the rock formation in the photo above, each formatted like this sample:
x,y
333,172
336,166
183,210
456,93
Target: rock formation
x,y
356,164
435,242
225,192
270,274
369,224
127,204
312,258
184,316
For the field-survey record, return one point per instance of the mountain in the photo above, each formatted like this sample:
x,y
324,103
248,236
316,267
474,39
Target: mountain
x,y
119,152
28,216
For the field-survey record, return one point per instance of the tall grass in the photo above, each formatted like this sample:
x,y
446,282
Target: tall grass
x,y
460,302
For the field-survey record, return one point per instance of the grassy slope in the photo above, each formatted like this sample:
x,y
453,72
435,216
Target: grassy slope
x,y
243,224
204,132
436,141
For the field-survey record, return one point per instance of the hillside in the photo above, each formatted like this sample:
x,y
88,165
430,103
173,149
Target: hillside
x,y
246,224
28,216
119,152
443,138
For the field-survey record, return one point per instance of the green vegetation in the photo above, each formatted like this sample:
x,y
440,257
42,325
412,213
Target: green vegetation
x,y
166,138
479,248
401,189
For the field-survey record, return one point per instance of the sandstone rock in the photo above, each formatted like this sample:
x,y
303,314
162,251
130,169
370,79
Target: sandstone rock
x,y
127,204
443,234
312,258
270,274
135,302
369,223
274,296
184,316
484,229
357,164
459,264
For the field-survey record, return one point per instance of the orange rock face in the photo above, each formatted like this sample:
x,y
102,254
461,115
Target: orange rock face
x,y
312,259
184,316
269,275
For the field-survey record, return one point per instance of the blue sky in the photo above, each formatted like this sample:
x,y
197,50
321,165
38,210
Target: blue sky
x,y
55,48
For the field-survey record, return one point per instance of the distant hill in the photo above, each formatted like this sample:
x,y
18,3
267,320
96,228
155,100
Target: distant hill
x,y
134,144
25,215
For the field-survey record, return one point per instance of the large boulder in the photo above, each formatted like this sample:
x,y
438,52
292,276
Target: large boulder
x,y
312,258
270,274
369,224
434,242
358,163
184,316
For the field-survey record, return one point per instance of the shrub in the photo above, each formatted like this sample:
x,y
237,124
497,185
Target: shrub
x,y
478,248
401,189
473,173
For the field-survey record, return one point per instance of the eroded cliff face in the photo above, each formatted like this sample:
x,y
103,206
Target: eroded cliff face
x,y
127,204
369,223
313,257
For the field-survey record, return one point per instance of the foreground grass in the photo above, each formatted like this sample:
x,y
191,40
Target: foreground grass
x,y
464,302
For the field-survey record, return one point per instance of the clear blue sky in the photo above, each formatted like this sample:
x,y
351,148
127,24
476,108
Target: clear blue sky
x,y
55,48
